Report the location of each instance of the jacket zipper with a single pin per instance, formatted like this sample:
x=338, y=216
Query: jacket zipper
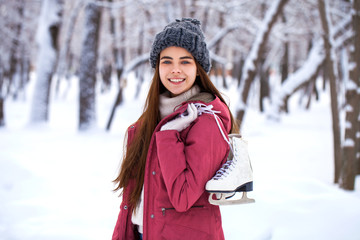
x=165, y=209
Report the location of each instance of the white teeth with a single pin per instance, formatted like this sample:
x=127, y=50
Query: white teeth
x=176, y=80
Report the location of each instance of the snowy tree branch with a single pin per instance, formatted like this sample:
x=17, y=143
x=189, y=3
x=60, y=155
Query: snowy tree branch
x=314, y=61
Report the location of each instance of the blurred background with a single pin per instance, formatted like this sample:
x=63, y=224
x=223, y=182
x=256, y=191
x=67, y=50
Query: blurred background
x=75, y=74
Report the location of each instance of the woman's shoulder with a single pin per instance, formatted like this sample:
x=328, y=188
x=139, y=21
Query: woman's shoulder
x=203, y=97
x=135, y=125
x=211, y=105
x=132, y=127
x=130, y=131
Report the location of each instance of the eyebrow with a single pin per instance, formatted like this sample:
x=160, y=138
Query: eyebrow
x=185, y=57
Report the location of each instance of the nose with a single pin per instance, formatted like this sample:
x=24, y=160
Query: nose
x=176, y=69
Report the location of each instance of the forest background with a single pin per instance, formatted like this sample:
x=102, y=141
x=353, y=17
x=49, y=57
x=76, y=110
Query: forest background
x=263, y=52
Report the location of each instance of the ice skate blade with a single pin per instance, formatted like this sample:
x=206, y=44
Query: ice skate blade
x=247, y=187
x=226, y=201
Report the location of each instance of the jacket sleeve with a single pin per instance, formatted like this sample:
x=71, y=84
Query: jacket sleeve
x=187, y=165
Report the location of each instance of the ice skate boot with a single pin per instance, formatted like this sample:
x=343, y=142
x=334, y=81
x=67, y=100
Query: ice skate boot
x=234, y=176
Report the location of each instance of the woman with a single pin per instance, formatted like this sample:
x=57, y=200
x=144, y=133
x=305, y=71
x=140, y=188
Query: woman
x=172, y=151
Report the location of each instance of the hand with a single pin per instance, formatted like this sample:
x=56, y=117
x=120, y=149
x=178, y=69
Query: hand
x=183, y=121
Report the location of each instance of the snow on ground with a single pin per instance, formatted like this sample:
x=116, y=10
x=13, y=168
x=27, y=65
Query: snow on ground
x=55, y=183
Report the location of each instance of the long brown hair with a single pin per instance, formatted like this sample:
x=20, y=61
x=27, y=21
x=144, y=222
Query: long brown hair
x=133, y=164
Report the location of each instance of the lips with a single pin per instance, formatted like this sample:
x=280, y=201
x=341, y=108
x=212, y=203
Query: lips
x=176, y=80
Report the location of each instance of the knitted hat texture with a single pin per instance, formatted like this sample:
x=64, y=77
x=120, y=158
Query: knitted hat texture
x=185, y=33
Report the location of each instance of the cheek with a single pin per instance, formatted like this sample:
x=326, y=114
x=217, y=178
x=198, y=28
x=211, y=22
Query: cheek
x=193, y=74
x=162, y=74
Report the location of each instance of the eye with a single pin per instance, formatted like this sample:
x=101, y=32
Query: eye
x=186, y=62
x=166, y=62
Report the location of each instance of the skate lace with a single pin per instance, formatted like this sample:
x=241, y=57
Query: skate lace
x=225, y=170
x=228, y=166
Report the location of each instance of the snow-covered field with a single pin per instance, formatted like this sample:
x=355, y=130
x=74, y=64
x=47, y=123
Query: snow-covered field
x=55, y=183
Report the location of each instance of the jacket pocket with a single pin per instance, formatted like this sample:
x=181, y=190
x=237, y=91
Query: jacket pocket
x=178, y=232
x=164, y=210
x=192, y=224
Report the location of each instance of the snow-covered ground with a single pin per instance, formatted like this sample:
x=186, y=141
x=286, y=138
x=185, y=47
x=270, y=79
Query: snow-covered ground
x=55, y=183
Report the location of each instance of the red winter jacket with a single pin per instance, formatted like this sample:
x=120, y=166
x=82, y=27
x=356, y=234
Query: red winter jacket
x=177, y=168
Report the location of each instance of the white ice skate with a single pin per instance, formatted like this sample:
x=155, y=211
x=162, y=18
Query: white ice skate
x=234, y=176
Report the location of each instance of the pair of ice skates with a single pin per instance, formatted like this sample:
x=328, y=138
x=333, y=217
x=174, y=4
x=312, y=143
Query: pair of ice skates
x=234, y=176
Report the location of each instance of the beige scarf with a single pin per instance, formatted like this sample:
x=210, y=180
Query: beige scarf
x=168, y=104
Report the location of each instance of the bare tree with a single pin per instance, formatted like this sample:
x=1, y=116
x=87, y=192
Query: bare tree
x=249, y=70
x=330, y=52
x=14, y=71
x=64, y=55
x=47, y=37
x=297, y=80
x=9, y=71
x=87, y=74
x=356, y=76
x=2, y=118
x=351, y=143
x=128, y=68
x=309, y=70
x=18, y=20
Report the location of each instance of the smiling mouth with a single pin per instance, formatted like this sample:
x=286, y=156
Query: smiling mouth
x=176, y=80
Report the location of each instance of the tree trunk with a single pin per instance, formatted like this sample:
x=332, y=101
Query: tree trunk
x=129, y=67
x=326, y=25
x=88, y=60
x=348, y=170
x=264, y=84
x=220, y=69
x=48, y=32
x=65, y=56
x=109, y=65
x=311, y=85
x=25, y=71
x=141, y=70
x=262, y=72
x=15, y=54
x=254, y=56
x=325, y=74
x=285, y=66
x=356, y=75
x=2, y=117
x=240, y=67
x=309, y=92
x=120, y=60
x=106, y=71
x=351, y=144
x=285, y=57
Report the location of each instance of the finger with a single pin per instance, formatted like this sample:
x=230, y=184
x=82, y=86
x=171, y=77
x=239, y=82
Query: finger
x=190, y=111
x=190, y=108
x=194, y=110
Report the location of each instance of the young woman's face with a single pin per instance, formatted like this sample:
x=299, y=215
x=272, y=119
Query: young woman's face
x=177, y=70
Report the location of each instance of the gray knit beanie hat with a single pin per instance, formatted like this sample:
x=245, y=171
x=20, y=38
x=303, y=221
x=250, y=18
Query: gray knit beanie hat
x=185, y=33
